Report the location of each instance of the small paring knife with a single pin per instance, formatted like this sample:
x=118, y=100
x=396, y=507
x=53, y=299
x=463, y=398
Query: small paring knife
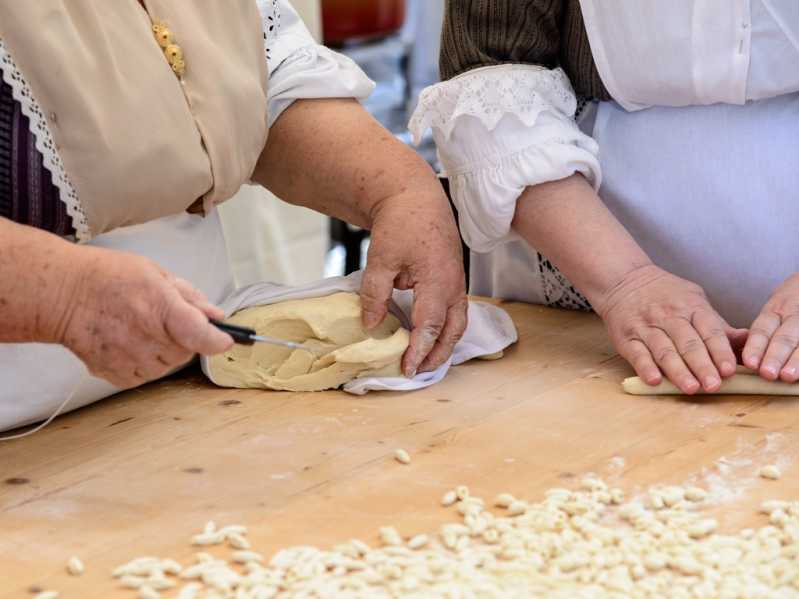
x=247, y=336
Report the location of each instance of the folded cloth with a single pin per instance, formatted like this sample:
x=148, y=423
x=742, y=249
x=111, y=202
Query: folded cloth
x=490, y=329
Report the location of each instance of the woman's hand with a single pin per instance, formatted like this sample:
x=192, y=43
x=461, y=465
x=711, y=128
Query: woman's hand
x=661, y=323
x=130, y=321
x=415, y=245
x=773, y=344
x=658, y=322
x=332, y=156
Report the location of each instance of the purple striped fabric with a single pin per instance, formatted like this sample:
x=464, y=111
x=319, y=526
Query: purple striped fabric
x=27, y=193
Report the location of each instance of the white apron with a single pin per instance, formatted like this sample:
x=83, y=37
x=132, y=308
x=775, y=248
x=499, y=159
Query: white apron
x=37, y=378
x=706, y=177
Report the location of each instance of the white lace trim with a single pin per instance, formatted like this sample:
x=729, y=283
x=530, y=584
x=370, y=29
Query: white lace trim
x=270, y=15
x=489, y=94
x=44, y=143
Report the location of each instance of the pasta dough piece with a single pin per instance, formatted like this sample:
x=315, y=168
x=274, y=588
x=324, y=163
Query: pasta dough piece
x=739, y=384
x=329, y=325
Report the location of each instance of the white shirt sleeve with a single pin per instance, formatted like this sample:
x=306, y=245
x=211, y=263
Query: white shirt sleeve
x=498, y=131
x=299, y=68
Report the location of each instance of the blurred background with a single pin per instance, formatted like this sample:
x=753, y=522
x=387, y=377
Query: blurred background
x=396, y=42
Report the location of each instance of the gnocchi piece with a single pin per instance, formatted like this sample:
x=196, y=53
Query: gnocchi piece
x=771, y=472
x=402, y=456
x=517, y=508
x=504, y=500
x=242, y=557
x=75, y=567
x=238, y=541
x=207, y=539
x=418, y=541
x=695, y=494
x=389, y=536
x=449, y=498
x=148, y=592
x=190, y=591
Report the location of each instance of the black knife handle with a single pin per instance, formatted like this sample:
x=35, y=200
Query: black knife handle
x=241, y=335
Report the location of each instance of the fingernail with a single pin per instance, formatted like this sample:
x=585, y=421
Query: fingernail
x=769, y=370
x=727, y=368
x=751, y=361
x=789, y=371
x=711, y=382
x=691, y=385
x=370, y=320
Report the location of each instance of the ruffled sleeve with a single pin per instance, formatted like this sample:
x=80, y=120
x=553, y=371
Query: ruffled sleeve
x=499, y=130
x=299, y=68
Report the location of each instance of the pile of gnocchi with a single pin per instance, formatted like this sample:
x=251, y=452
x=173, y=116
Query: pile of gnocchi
x=587, y=542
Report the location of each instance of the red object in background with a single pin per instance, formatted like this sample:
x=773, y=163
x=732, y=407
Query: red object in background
x=358, y=20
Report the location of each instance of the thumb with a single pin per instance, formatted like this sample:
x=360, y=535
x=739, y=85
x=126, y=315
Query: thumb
x=188, y=326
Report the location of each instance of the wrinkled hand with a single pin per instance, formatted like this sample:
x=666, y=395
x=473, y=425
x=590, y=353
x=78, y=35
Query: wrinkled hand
x=773, y=344
x=131, y=322
x=415, y=245
x=661, y=323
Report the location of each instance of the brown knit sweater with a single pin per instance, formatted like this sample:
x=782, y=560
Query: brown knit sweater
x=551, y=33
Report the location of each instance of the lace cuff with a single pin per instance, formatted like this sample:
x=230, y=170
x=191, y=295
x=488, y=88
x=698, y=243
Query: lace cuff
x=500, y=130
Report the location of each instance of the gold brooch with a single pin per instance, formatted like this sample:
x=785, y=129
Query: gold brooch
x=172, y=51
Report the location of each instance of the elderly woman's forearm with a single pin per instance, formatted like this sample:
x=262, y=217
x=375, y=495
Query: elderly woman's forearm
x=333, y=157
x=569, y=224
x=36, y=282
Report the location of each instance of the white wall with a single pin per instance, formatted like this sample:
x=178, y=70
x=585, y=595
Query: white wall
x=269, y=240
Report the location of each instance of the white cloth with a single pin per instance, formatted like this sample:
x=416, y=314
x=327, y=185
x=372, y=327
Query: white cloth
x=499, y=130
x=489, y=331
x=694, y=52
x=36, y=377
x=299, y=68
x=715, y=199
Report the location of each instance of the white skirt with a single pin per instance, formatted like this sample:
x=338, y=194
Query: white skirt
x=36, y=378
x=710, y=192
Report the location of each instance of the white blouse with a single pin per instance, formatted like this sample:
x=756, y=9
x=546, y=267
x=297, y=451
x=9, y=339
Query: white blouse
x=299, y=68
x=501, y=129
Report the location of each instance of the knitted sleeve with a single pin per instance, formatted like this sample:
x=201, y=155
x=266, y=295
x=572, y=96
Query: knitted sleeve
x=548, y=33
x=481, y=33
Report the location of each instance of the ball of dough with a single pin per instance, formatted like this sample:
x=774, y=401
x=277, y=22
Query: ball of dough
x=331, y=326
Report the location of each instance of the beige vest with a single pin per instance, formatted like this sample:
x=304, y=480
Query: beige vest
x=137, y=141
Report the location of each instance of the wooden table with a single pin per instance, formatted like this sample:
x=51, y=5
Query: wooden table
x=140, y=473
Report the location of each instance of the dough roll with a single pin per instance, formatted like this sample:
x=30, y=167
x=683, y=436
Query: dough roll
x=739, y=384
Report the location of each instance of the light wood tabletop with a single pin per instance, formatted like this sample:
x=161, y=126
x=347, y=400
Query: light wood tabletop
x=142, y=472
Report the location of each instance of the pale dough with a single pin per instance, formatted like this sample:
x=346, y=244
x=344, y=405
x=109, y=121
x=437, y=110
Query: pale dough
x=744, y=382
x=331, y=325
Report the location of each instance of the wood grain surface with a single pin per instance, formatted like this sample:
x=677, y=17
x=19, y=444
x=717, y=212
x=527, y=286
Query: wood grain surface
x=140, y=473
